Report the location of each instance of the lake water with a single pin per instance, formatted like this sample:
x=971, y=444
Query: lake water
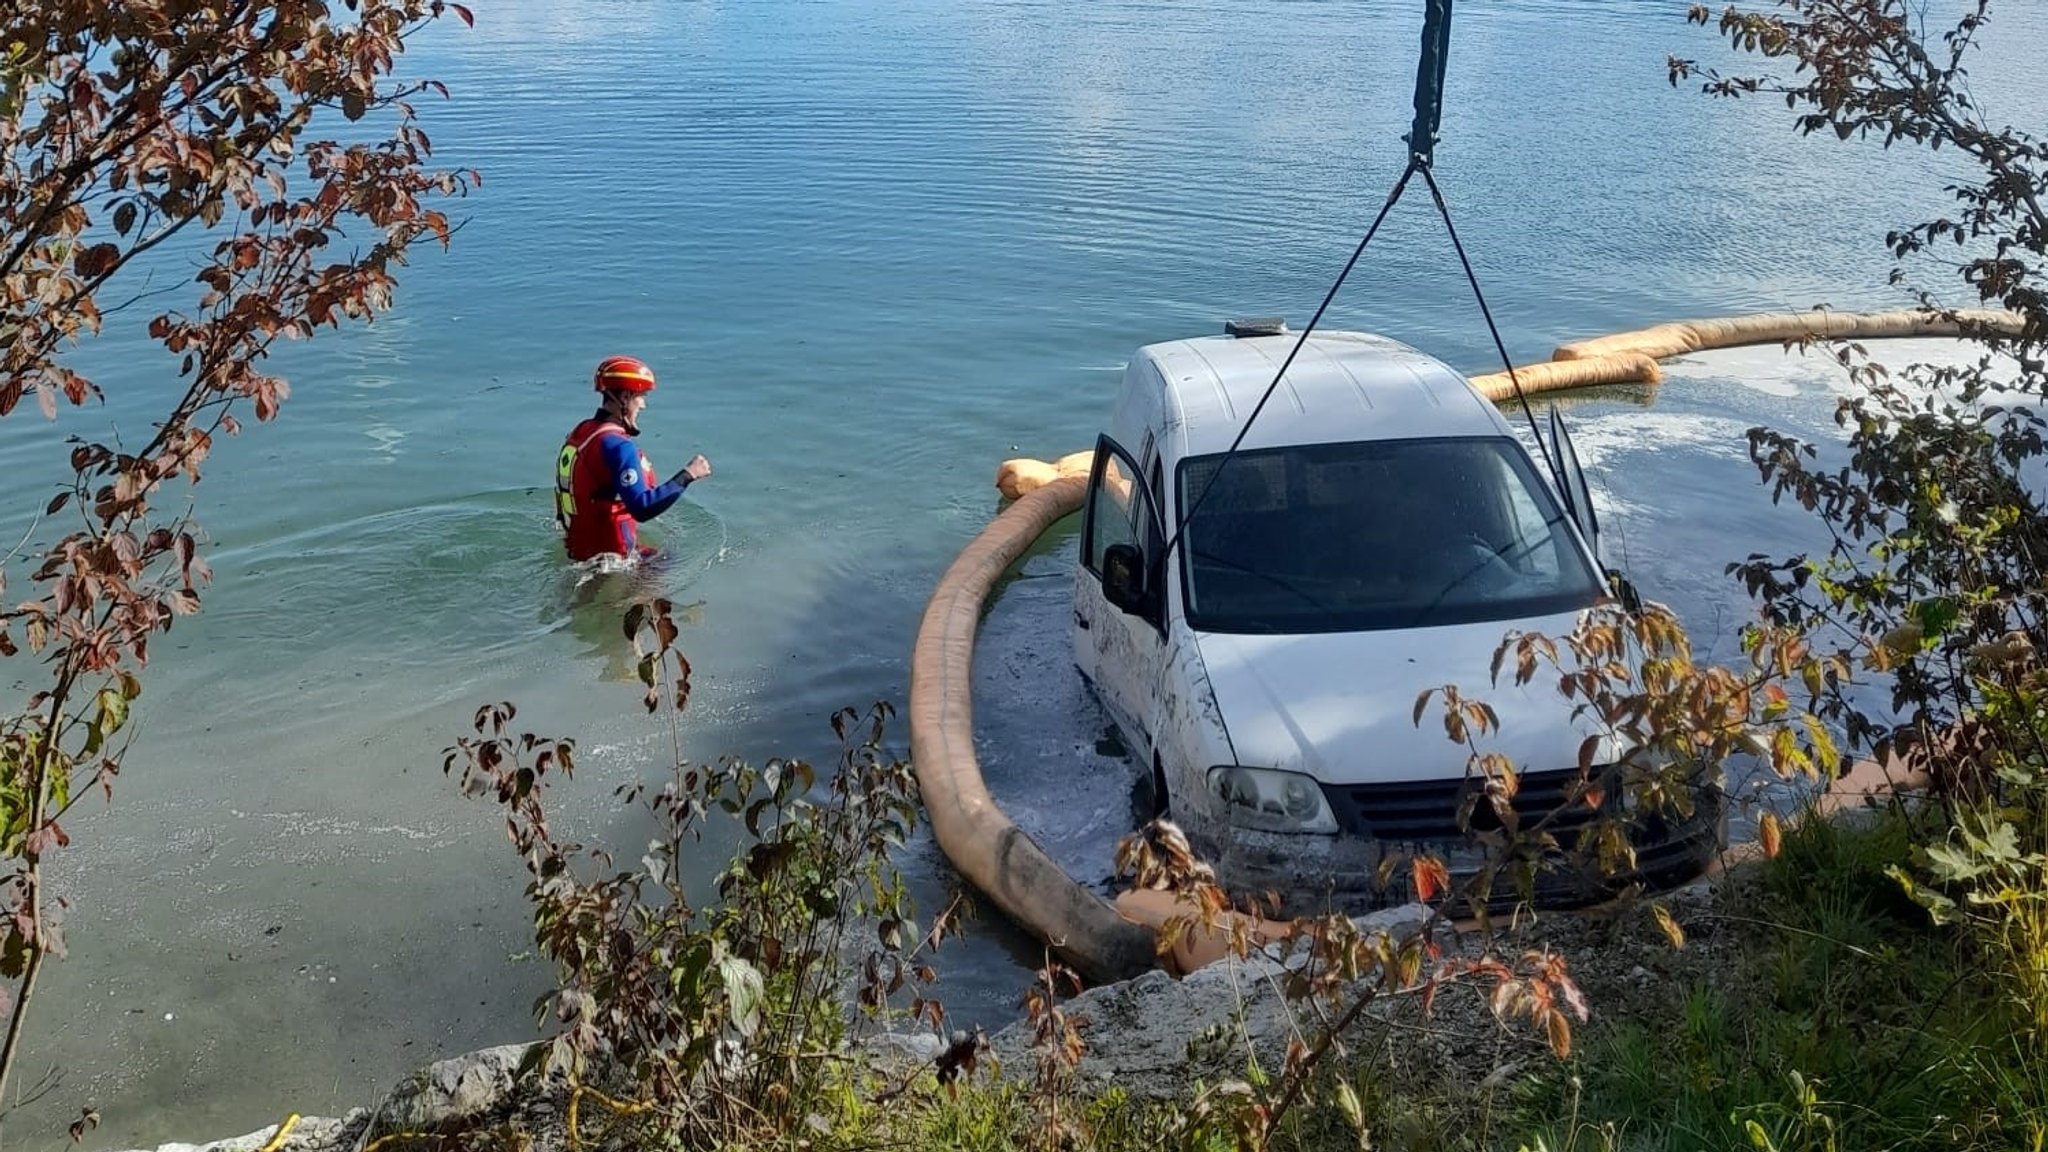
x=872, y=250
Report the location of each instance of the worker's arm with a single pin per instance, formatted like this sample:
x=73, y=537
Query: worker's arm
x=643, y=501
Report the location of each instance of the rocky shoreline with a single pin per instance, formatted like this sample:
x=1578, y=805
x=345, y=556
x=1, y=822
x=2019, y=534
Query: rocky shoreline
x=1153, y=1036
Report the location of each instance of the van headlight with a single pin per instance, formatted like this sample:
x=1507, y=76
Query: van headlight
x=1269, y=800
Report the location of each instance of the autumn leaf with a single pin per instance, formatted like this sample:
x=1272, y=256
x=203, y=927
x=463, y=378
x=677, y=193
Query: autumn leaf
x=1430, y=878
x=1769, y=834
x=1667, y=925
x=1559, y=1033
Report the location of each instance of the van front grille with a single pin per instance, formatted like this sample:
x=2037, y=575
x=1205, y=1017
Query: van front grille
x=1427, y=810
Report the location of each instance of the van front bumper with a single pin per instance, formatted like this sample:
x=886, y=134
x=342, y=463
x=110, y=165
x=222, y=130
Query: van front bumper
x=1367, y=865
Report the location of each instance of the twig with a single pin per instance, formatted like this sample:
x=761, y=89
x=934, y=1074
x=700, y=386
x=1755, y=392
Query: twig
x=1299, y=1081
x=1724, y=917
x=34, y=522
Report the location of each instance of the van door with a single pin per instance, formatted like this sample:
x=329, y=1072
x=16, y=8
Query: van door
x=1119, y=647
x=1578, y=498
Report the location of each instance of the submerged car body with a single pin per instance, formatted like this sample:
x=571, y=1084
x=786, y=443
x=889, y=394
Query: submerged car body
x=1259, y=623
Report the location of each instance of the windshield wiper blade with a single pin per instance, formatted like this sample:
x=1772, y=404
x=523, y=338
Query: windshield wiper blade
x=1282, y=583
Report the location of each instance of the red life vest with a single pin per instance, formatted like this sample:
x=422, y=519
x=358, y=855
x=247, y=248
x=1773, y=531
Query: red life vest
x=587, y=506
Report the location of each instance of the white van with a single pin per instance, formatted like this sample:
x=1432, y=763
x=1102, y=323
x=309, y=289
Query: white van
x=1377, y=533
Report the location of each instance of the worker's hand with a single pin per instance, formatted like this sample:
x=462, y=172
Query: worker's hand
x=697, y=469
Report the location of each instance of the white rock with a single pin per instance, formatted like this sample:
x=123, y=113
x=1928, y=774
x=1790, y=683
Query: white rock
x=896, y=1053
x=1142, y=1034
x=310, y=1134
x=450, y=1092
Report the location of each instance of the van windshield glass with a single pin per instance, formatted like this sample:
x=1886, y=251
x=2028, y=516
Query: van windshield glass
x=1373, y=535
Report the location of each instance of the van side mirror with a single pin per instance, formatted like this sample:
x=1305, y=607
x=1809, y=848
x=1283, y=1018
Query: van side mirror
x=1631, y=600
x=1123, y=580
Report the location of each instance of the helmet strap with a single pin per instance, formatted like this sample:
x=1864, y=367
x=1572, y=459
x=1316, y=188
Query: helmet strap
x=615, y=407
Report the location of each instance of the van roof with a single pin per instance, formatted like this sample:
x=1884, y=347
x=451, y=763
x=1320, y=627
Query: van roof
x=1342, y=386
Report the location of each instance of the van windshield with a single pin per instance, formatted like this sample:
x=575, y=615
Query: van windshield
x=1374, y=535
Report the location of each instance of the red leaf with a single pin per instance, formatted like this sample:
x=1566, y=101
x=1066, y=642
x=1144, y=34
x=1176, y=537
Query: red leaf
x=1430, y=877
x=95, y=260
x=45, y=840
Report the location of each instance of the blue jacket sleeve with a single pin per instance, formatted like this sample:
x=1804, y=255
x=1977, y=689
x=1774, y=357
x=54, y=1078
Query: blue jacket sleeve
x=622, y=464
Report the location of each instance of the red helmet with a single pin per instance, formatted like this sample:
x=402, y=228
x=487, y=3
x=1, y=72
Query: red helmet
x=624, y=374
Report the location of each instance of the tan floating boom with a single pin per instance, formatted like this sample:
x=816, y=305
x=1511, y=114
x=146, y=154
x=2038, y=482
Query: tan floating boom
x=1677, y=339
x=1557, y=375
x=990, y=851
x=1016, y=477
x=1631, y=357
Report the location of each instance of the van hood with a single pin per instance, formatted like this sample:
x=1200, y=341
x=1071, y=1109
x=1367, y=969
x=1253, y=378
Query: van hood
x=1340, y=706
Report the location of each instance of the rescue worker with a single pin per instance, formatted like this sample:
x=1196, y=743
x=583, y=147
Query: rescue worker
x=604, y=486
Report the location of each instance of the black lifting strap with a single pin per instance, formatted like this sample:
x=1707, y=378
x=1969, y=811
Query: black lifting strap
x=1421, y=138
x=1421, y=141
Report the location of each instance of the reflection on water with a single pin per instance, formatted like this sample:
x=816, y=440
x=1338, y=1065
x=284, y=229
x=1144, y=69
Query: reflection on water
x=872, y=250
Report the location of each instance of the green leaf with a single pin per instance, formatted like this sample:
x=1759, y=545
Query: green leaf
x=113, y=712
x=2000, y=847
x=1824, y=750
x=1347, y=1102
x=1940, y=908
x=1951, y=864
x=743, y=993
x=1936, y=614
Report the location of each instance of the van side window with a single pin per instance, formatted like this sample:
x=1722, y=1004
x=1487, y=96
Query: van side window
x=1121, y=510
x=1112, y=506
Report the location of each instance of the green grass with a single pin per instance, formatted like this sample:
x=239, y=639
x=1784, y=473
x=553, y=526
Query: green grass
x=1850, y=1022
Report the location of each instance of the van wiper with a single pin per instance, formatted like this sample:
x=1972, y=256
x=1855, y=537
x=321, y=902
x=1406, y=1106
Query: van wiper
x=1282, y=583
x=1493, y=556
x=1430, y=608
